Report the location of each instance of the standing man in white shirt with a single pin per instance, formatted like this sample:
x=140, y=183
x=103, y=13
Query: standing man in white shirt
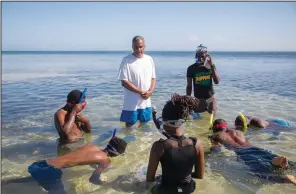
x=137, y=76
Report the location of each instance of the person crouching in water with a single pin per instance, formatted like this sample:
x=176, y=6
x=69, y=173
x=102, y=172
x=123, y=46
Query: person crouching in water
x=48, y=173
x=177, y=154
x=69, y=121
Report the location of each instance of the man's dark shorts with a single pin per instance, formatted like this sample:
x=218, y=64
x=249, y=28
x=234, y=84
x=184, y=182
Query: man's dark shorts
x=207, y=104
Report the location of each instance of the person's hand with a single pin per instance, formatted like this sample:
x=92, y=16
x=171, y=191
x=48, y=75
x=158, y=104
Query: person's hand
x=209, y=57
x=80, y=117
x=211, y=63
x=146, y=95
x=95, y=178
x=77, y=108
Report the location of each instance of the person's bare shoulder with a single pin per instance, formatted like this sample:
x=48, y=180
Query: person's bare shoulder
x=158, y=146
x=60, y=112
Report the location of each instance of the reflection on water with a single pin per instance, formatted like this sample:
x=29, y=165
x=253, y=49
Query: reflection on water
x=248, y=85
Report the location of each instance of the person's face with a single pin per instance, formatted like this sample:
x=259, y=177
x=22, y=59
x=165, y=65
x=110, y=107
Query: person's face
x=138, y=48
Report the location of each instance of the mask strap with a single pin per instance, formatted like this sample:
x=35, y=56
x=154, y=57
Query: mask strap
x=158, y=124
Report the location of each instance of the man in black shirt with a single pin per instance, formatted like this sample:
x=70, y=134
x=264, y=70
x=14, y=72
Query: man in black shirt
x=201, y=74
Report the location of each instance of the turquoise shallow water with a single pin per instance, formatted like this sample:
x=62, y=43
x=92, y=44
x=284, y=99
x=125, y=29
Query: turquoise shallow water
x=35, y=85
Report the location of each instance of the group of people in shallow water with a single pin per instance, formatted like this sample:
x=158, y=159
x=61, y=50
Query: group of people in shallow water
x=182, y=158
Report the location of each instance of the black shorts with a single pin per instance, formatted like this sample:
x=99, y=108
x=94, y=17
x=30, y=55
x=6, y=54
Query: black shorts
x=207, y=104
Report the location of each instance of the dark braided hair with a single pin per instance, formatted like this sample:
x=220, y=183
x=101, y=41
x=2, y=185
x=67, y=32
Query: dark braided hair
x=179, y=107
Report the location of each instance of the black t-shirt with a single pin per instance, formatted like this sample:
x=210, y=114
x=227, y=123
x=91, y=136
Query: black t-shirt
x=202, y=80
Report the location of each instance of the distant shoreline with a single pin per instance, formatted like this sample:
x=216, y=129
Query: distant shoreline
x=125, y=51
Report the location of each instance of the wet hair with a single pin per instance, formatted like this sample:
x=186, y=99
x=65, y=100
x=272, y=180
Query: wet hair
x=119, y=145
x=217, y=122
x=74, y=96
x=239, y=121
x=179, y=107
x=136, y=38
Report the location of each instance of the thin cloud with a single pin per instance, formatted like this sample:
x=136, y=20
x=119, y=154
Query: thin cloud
x=219, y=39
x=194, y=38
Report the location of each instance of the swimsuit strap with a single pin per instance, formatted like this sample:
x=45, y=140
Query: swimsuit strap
x=178, y=139
x=194, y=140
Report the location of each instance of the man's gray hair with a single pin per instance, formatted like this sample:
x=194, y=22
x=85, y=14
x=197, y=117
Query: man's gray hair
x=136, y=38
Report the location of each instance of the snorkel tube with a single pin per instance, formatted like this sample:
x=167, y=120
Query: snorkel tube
x=244, y=122
x=158, y=124
x=211, y=122
x=82, y=96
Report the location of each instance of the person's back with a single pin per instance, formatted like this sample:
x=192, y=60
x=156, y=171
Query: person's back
x=227, y=136
x=177, y=161
x=177, y=154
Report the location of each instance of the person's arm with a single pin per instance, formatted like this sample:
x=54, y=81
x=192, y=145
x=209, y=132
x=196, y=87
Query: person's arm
x=85, y=124
x=147, y=94
x=151, y=89
x=95, y=177
x=215, y=74
x=66, y=127
x=153, y=161
x=216, y=146
x=199, y=166
x=189, y=86
x=130, y=86
x=189, y=82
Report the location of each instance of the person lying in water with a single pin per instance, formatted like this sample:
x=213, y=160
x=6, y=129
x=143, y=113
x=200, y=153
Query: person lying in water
x=256, y=122
x=69, y=121
x=48, y=173
x=261, y=162
x=177, y=154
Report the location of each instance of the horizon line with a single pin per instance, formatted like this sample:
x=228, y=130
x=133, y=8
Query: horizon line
x=146, y=51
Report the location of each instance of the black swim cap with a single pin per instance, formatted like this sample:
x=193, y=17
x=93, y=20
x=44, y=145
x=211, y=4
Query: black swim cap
x=74, y=96
x=119, y=144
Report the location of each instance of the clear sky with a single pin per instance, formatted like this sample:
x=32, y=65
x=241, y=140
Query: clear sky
x=222, y=26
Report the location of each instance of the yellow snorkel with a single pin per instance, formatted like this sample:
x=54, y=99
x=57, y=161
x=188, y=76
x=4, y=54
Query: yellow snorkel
x=244, y=122
x=211, y=122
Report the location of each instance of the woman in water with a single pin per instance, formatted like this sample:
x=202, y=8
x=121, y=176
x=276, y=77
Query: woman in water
x=177, y=154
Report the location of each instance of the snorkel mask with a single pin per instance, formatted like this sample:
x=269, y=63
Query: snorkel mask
x=171, y=123
x=201, y=53
x=110, y=148
x=81, y=101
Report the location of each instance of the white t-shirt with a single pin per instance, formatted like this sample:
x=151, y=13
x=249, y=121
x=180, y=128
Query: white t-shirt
x=138, y=71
